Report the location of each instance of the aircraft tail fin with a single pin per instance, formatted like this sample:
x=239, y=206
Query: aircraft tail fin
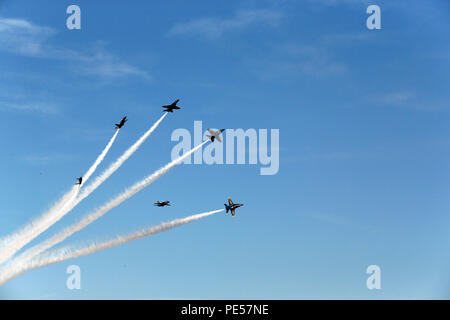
x=227, y=208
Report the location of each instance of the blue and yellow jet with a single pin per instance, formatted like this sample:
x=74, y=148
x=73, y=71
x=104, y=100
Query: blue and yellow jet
x=232, y=206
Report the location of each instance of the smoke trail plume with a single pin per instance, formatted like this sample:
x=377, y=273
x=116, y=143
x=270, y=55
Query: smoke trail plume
x=61, y=208
x=116, y=165
x=71, y=252
x=129, y=192
x=20, y=238
x=100, y=158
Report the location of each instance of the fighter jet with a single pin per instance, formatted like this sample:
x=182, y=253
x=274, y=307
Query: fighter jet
x=80, y=181
x=232, y=206
x=162, y=204
x=171, y=107
x=122, y=122
x=215, y=134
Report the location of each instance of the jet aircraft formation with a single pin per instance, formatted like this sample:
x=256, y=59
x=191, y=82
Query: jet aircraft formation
x=213, y=135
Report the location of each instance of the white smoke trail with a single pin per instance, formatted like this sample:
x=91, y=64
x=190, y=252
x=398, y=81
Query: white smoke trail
x=71, y=252
x=19, y=239
x=88, y=219
x=100, y=158
x=116, y=165
x=62, y=209
x=86, y=191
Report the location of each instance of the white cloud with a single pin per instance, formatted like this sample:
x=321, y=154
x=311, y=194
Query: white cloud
x=24, y=38
x=43, y=108
x=215, y=27
x=399, y=97
x=408, y=100
x=293, y=59
x=44, y=159
x=340, y=2
x=105, y=65
x=319, y=58
x=346, y=37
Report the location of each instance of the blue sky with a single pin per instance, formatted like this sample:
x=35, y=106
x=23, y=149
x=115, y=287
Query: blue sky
x=364, y=144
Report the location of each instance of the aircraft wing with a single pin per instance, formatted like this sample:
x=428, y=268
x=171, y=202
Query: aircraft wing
x=211, y=131
x=230, y=202
x=232, y=212
x=218, y=138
